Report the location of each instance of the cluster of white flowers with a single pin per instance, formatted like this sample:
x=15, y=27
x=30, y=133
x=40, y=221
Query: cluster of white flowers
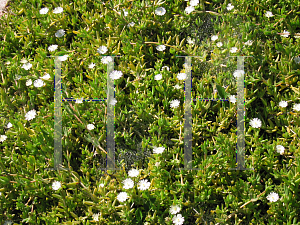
x=56, y=10
x=284, y=104
x=129, y=183
x=177, y=219
x=38, y=82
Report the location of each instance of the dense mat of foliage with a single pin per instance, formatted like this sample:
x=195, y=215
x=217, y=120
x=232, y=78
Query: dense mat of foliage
x=149, y=125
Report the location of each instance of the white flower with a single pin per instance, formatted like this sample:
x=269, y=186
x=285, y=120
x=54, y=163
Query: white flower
x=233, y=50
x=189, y=9
x=160, y=11
x=283, y=104
x=92, y=65
x=101, y=185
x=78, y=100
x=7, y=63
x=269, y=14
x=296, y=107
x=9, y=125
x=30, y=115
x=178, y=219
x=297, y=59
x=27, y=66
x=174, y=209
x=122, y=196
x=181, y=76
x=133, y=173
x=165, y=67
x=96, y=217
x=29, y=82
x=232, y=98
x=177, y=86
x=38, y=83
x=160, y=48
x=194, y=2
x=3, y=138
x=158, y=150
x=8, y=222
x=249, y=42
x=60, y=33
x=106, y=59
x=255, y=123
x=44, y=10
x=190, y=41
x=46, y=76
x=18, y=77
x=280, y=149
x=158, y=77
x=143, y=184
x=63, y=58
x=175, y=103
x=285, y=35
x=23, y=61
x=214, y=37
x=125, y=12
x=131, y=24
x=90, y=126
x=128, y=183
x=115, y=74
x=230, y=7
x=102, y=49
x=52, y=48
x=273, y=197
x=238, y=73
x=113, y=102
x=219, y=44
x=56, y=185
x=58, y=10
x=157, y=164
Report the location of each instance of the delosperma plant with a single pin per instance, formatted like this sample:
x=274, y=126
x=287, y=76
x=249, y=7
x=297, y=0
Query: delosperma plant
x=147, y=41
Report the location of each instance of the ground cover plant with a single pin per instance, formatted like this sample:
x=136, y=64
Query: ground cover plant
x=149, y=109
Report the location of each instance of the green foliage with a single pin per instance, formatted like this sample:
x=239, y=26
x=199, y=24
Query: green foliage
x=143, y=116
